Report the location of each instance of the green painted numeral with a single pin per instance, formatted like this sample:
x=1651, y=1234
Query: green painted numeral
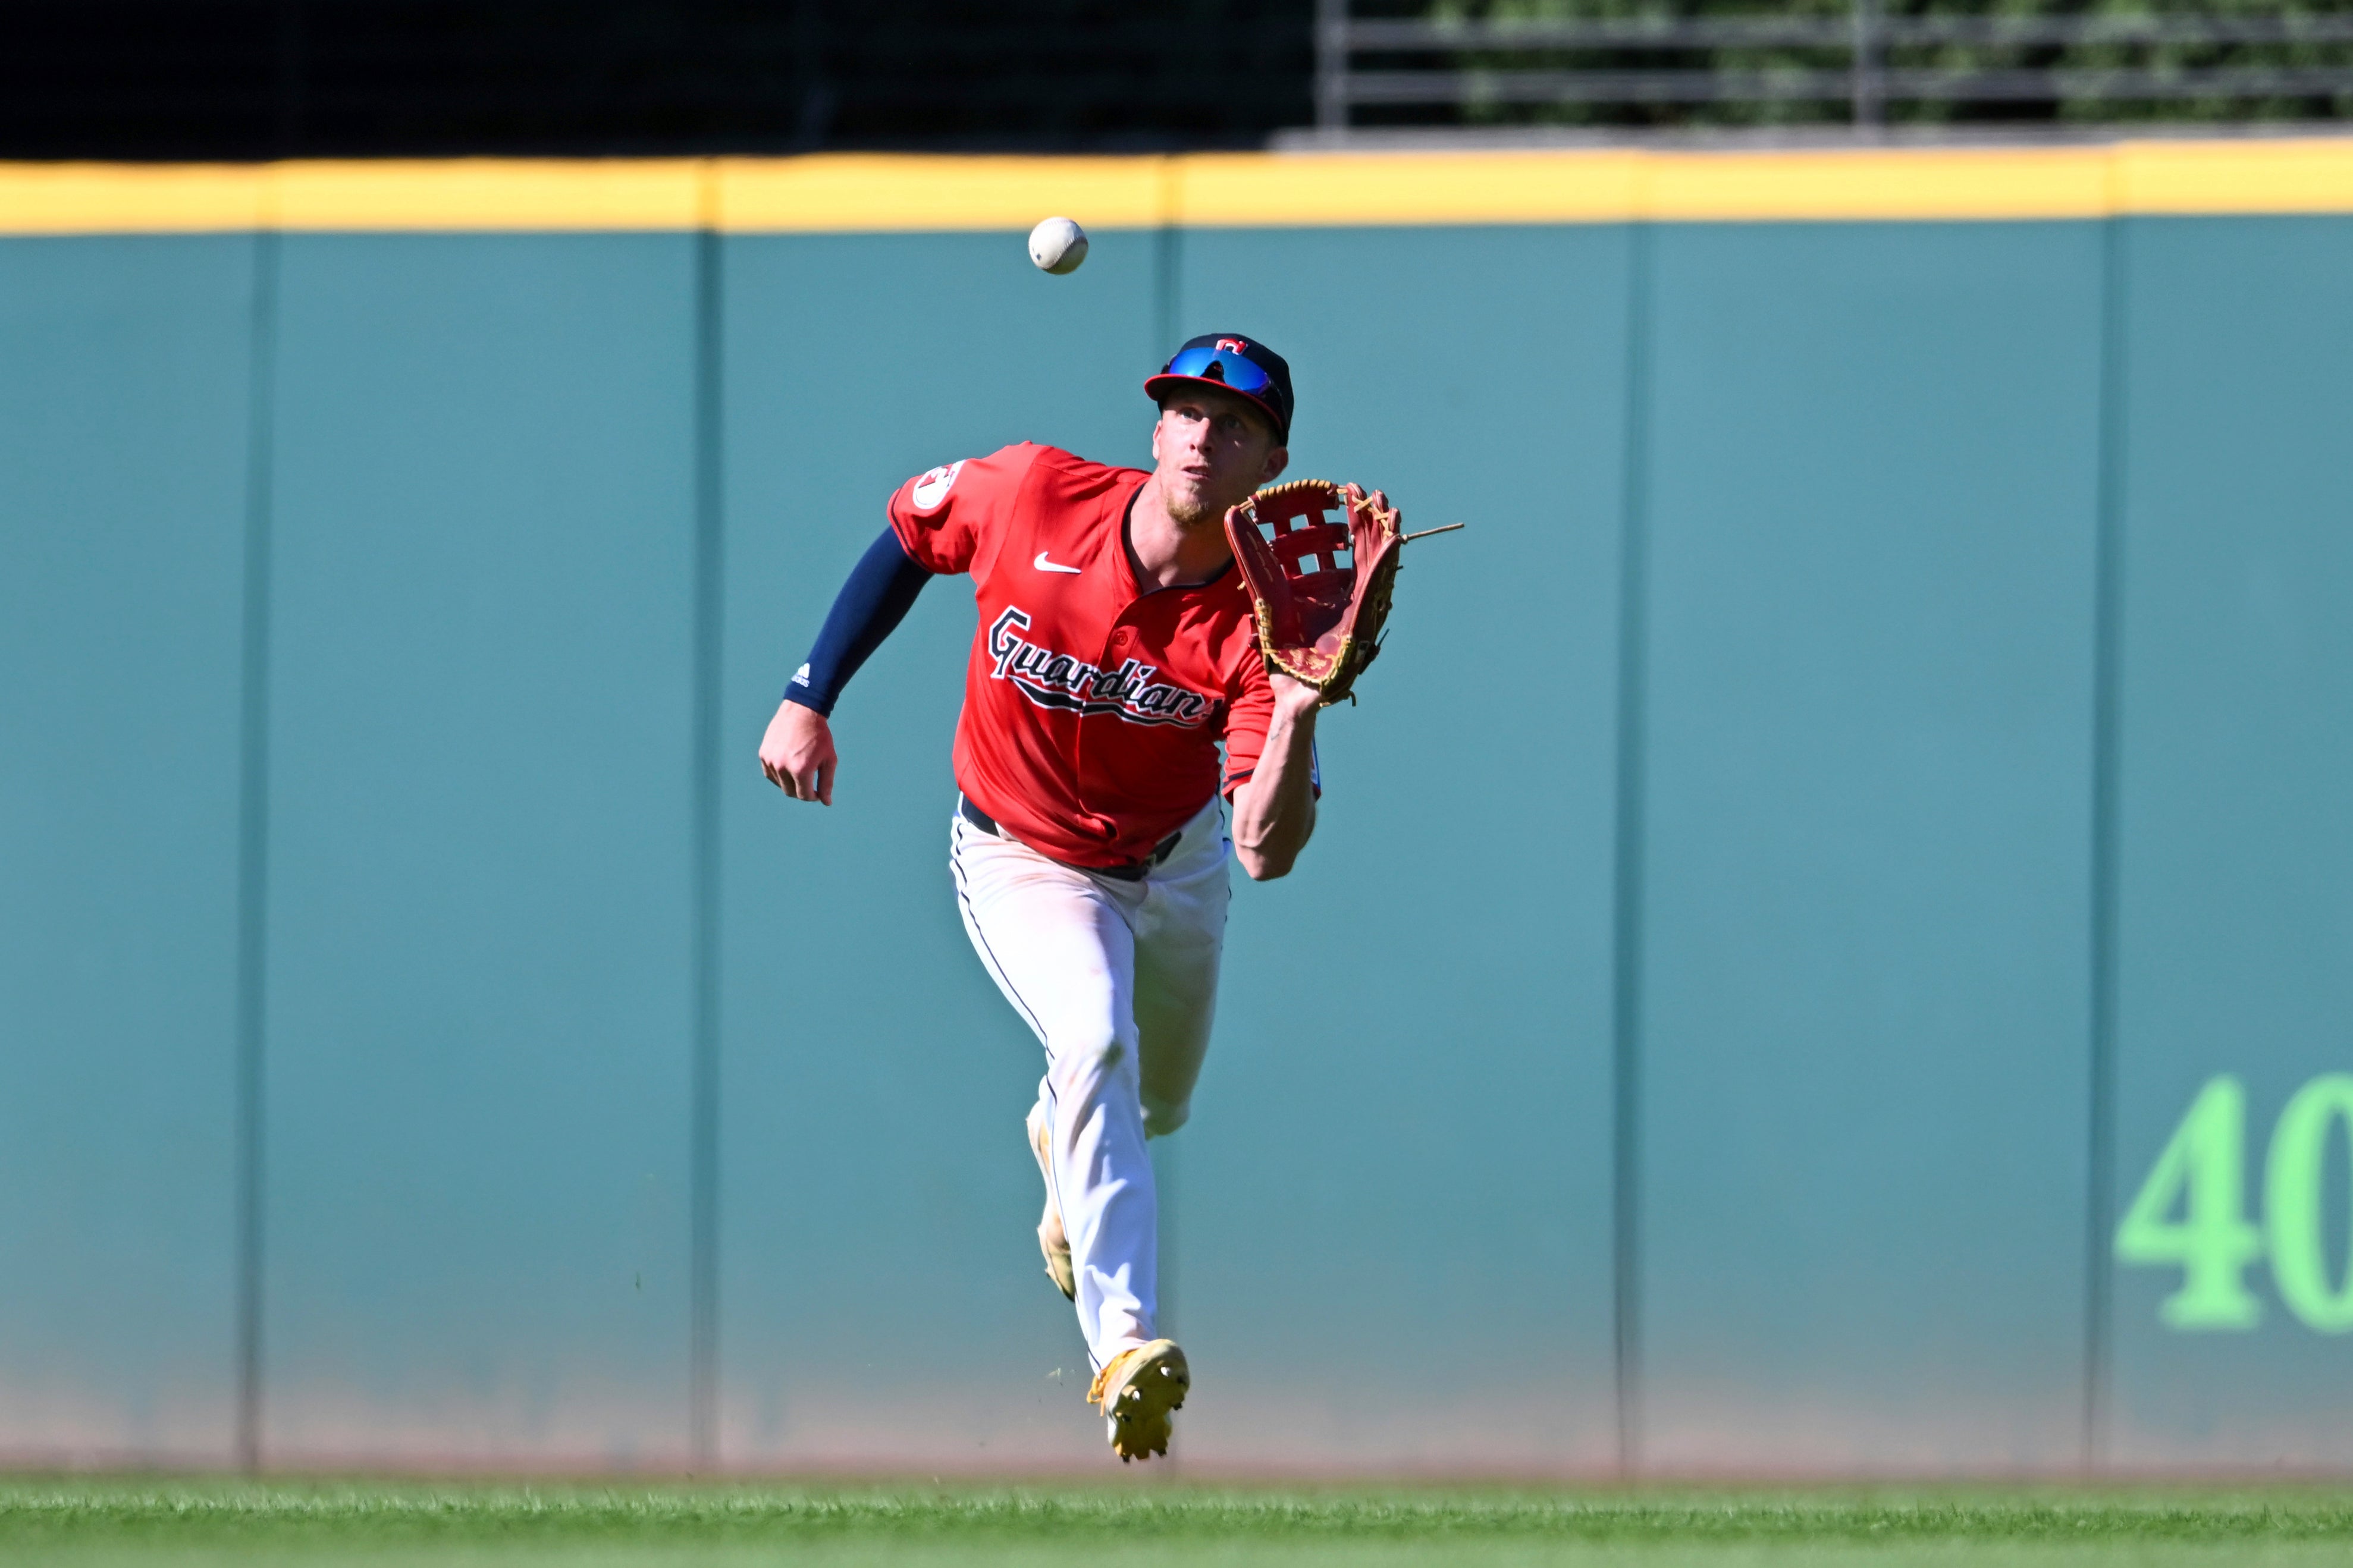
x=2202, y=1169
x=2292, y=1204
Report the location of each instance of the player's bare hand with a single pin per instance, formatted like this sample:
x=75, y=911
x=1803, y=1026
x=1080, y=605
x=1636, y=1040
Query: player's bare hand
x=797, y=754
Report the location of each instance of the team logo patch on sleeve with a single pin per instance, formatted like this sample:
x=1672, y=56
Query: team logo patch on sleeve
x=932, y=485
x=1053, y=680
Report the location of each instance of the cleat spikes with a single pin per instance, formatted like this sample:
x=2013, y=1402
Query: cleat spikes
x=1138, y=1390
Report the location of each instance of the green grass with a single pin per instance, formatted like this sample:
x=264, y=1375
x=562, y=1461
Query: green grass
x=279, y=1524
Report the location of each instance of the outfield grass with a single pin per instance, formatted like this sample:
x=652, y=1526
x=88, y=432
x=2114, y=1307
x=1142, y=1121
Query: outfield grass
x=155, y=1523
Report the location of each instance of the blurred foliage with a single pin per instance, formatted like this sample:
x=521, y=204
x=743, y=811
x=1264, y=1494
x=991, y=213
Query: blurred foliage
x=2170, y=59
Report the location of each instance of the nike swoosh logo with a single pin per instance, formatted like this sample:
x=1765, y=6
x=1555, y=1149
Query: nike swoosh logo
x=1045, y=566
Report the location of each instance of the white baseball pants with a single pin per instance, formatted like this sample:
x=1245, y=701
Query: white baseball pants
x=1120, y=981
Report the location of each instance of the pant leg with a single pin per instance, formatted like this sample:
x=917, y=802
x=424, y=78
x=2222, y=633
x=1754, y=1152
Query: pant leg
x=1180, y=934
x=1058, y=943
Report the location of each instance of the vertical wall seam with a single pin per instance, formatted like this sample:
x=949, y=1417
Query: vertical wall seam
x=1626, y=983
x=1168, y=1162
x=2107, y=623
x=1167, y=262
x=1168, y=195
x=253, y=842
x=703, y=1359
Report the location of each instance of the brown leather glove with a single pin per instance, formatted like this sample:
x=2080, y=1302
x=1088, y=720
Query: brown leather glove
x=1319, y=560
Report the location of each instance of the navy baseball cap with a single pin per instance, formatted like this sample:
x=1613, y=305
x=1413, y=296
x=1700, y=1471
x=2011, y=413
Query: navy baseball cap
x=1231, y=362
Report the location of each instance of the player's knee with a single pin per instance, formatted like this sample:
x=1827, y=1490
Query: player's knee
x=1083, y=1063
x=1112, y=1059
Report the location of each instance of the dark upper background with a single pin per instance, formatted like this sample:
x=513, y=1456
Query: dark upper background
x=266, y=79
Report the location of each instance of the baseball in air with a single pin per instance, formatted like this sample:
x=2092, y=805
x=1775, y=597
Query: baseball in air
x=1058, y=245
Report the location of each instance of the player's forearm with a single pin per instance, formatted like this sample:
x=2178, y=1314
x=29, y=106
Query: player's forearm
x=1274, y=810
x=881, y=590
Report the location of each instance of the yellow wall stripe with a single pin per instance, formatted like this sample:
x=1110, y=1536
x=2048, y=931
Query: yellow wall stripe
x=1926, y=184
x=2314, y=176
x=111, y=198
x=1284, y=190
x=843, y=192
x=478, y=193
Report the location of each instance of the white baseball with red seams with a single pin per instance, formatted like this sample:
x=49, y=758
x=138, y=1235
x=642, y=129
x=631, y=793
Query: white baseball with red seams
x=1058, y=245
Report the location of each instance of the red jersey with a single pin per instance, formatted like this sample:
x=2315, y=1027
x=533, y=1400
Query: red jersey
x=1093, y=709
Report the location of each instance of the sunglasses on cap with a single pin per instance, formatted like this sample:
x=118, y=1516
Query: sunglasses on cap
x=1211, y=363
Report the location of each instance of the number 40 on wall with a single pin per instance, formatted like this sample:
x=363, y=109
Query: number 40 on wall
x=2202, y=1173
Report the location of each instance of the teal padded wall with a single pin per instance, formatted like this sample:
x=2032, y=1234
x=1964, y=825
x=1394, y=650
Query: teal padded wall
x=480, y=898
x=1720, y=1023
x=1872, y=465
x=124, y=392
x=1399, y=1157
x=881, y=1298
x=2235, y=862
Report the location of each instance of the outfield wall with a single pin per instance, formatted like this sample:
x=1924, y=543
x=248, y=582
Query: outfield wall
x=1856, y=827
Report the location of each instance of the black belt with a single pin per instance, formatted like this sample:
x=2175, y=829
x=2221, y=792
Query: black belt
x=1131, y=872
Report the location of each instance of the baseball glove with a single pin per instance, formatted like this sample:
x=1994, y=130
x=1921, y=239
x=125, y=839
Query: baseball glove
x=1321, y=582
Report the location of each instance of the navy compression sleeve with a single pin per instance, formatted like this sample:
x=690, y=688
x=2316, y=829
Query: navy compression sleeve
x=882, y=589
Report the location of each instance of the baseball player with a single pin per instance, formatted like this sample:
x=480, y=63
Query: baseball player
x=1115, y=655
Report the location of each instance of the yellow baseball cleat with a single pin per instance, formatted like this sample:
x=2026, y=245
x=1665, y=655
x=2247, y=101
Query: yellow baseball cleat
x=1052, y=1241
x=1139, y=1390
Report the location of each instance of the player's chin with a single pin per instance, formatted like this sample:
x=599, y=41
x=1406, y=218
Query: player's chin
x=1194, y=505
